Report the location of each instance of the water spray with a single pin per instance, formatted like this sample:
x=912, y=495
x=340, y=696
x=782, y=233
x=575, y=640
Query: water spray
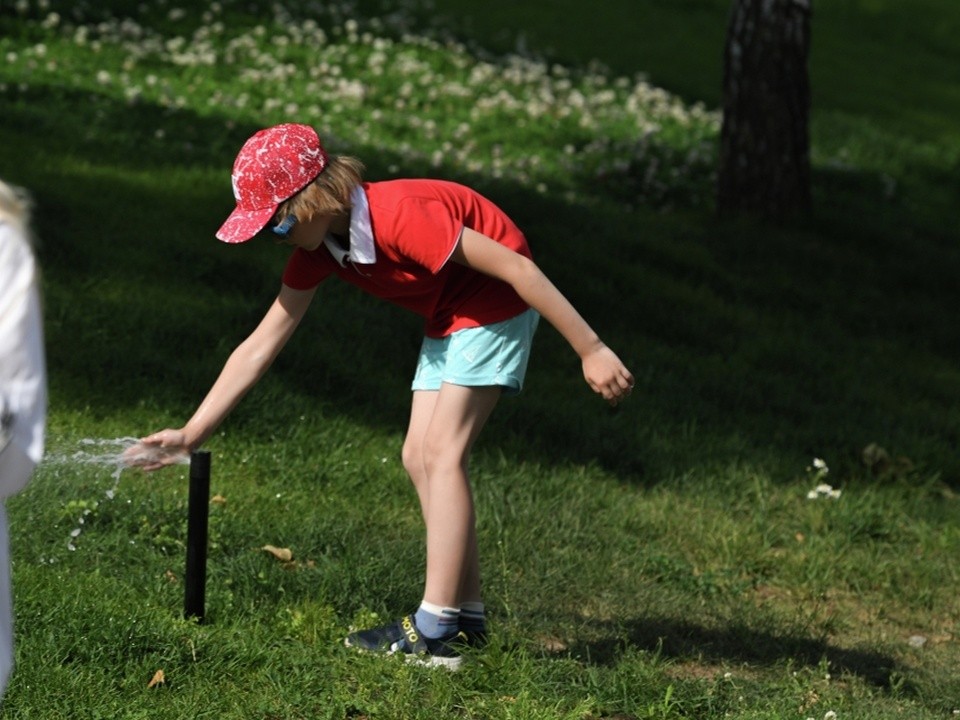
x=126, y=452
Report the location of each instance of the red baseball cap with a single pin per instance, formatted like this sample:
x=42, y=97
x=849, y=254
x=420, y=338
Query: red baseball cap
x=272, y=166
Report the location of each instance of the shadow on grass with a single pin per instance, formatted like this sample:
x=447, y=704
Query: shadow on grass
x=748, y=344
x=681, y=640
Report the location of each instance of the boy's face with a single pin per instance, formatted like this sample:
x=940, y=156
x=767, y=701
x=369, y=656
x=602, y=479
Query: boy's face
x=308, y=235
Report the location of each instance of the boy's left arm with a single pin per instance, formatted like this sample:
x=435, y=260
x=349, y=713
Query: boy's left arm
x=602, y=369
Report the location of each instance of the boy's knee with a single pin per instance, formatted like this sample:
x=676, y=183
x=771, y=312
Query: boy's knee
x=411, y=455
x=439, y=457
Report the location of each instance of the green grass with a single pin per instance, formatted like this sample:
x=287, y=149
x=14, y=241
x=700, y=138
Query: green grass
x=661, y=561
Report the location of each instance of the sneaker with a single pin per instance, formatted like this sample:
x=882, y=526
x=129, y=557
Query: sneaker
x=476, y=639
x=405, y=638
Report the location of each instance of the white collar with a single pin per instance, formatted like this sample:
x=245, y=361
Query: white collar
x=362, y=249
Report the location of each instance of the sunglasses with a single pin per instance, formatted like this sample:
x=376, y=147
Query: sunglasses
x=283, y=227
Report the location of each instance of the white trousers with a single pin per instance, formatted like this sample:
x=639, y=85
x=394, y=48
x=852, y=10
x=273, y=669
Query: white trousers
x=6, y=605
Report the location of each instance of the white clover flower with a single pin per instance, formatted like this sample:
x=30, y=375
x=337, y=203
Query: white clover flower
x=824, y=490
x=830, y=715
x=519, y=89
x=820, y=464
x=174, y=45
x=103, y=77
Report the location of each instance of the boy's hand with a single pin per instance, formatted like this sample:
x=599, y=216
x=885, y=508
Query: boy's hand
x=167, y=447
x=607, y=375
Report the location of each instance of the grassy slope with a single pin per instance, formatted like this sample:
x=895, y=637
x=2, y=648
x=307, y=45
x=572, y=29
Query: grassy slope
x=883, y=60
x=884, y=95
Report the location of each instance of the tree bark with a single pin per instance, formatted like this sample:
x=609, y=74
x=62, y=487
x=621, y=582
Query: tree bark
x=764, y=139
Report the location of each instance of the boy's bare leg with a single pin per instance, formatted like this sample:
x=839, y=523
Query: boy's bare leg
x=443, y=427
x=421, y=410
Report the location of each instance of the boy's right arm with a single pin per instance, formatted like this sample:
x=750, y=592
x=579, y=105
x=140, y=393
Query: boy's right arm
x=245, y=366
x=602, y=369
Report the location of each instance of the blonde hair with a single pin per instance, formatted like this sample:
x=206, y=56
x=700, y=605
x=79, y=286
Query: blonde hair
x=328, y=194
x=15, y=207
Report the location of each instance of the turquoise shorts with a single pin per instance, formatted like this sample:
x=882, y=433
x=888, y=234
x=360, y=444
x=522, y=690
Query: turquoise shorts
x=494, y=354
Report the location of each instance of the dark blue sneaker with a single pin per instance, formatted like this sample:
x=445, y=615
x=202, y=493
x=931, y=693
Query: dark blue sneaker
x=403, y=637
x=475, y=639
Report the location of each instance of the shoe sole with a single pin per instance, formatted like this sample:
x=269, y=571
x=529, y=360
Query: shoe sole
x=447, y=663
x=451, y=664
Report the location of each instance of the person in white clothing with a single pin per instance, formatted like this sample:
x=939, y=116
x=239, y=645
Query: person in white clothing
x=23, y=385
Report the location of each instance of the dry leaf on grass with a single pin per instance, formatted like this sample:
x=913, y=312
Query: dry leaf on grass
x=158, y=679
x=218, y=500
x=552, y=644
x=281, y=554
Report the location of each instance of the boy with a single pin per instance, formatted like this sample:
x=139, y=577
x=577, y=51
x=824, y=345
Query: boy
x=447, y=253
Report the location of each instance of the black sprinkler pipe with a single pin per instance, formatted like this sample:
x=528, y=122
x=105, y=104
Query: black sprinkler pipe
x=198, y=508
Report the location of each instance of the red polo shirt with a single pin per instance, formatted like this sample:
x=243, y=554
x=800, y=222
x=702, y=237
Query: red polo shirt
x=416, y=227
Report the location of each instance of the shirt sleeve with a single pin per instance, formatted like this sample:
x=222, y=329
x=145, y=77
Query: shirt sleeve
x=305, y=270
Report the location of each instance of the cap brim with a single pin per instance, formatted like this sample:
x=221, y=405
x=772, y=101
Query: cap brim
x=244, y=224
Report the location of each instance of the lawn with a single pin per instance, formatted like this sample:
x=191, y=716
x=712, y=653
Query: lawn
x=670, y=559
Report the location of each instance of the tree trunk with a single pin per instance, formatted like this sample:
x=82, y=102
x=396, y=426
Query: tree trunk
x=764, y=140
